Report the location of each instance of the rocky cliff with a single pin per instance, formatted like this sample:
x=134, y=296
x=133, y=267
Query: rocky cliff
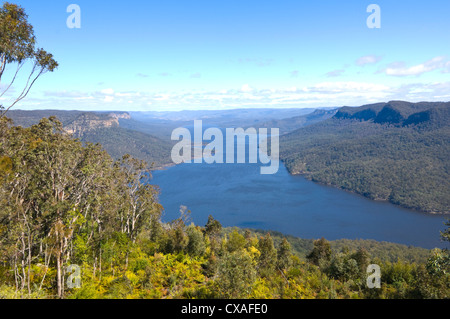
x=87, y=122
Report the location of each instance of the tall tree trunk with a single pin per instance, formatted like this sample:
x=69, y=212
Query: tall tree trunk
x=95, y=267
x=29, y=268
x=100, y=264
x=58, y=274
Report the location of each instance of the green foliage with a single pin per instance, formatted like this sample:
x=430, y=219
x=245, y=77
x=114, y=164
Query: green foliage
x=67, y=200
x=431, y=283
x=212, y=230
x=118, y=141
x=212, y=227
x=343, y=267
x=362, y=258
x=445, y=235
x=405, y=163
x=17, y=46
x=65, y=203
x=235, y=242
x=268, y=256
x=321, y=252
x=115, y=139
x=384, y=251
x=236, y=275
x=284, y=259
x=196, y=245
x=438, y=264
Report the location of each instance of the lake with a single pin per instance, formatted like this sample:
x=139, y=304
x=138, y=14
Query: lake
x=238, y=195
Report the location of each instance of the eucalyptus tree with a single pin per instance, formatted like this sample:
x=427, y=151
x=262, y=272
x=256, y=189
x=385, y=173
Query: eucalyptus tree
x=17, y=48
x=140, y=207
x=268, y=259
x=52, y=189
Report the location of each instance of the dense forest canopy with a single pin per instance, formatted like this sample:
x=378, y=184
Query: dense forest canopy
x=68, y=204
x=396, y=151
x=107, y=129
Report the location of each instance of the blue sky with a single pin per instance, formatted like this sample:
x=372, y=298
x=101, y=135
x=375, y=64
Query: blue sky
x=174, y=55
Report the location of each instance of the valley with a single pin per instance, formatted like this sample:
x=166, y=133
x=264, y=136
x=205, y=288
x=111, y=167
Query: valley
x=396, y=152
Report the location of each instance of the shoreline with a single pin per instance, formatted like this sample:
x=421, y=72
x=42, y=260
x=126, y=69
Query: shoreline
x=442, y=214
x=163, y=167
x=362, y=195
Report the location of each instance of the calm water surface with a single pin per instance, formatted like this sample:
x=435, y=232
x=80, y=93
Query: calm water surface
x=237, y=195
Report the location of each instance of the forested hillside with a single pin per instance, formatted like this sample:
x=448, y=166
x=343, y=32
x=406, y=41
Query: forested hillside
x=384, y=251
x=68, y=204
x=118, y=141
x=105, y=128
x=293, y=123
x=396, y=151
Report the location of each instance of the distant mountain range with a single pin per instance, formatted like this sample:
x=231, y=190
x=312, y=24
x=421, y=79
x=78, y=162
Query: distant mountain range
x=396, y=151
x=165, y=122
x=104, y=128
x=221, y=117
x=399, y=113
x=146, y=135
x=287, y=125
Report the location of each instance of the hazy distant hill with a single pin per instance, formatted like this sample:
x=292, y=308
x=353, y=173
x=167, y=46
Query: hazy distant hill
x=220, y=118
x=293, y=123
x=155, y=127
x=28, y=118
x=104, y=128
x=146, y=135
x=75, y=121
x=161, y=124
x=396, y=151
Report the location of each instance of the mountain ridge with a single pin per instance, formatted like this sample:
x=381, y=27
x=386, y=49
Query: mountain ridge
x=104, y=128
x=396, y=112
x=383, y=157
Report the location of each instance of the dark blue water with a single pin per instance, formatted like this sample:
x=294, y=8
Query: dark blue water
x=237, y=195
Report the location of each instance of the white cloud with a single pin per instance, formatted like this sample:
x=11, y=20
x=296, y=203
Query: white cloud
x=327, y=93
x=368, y=59
x=107, y=91
x=342, y=87
x=246, y=88
x=161, y=97
x=335, y=73
x=65, y=94
x=446, y=67
x=292, y=89
x=122, y=94
x=400, y=69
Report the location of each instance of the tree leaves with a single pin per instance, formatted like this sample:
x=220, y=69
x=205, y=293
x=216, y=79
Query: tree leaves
x=17, y=46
